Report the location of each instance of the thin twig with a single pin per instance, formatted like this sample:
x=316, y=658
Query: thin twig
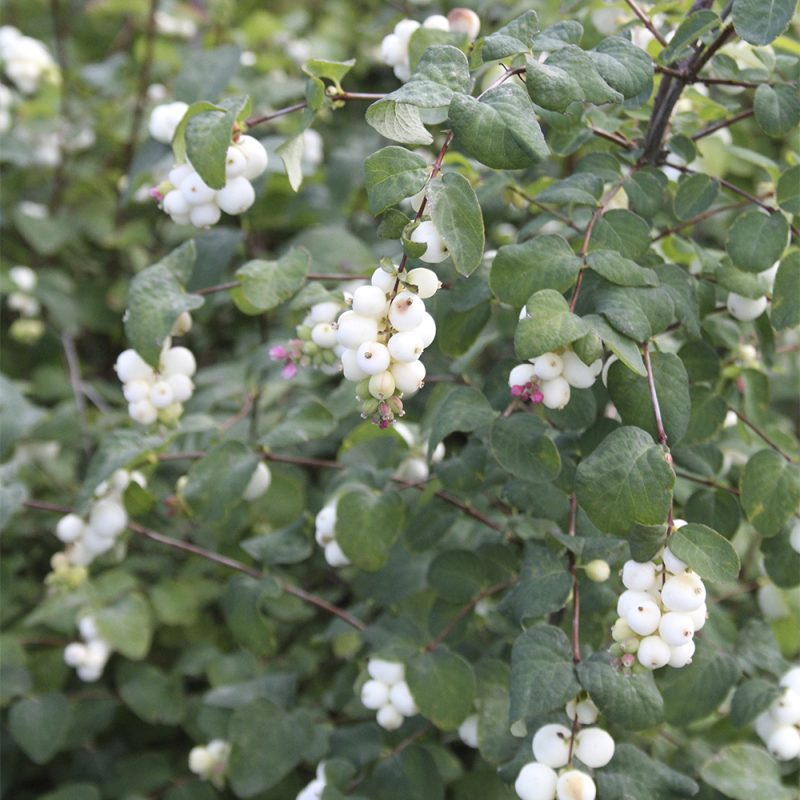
x=753, y=427
x=74, y=369
x=651, y=383
x=576, y=597
x=723, y=123
x=612, y=137
x=646, y=21
x=534, y=202
x=465, y=609
x=705, y=482
x=217, y=287
x=699, y=218
x=218, y=558
x=281, y=112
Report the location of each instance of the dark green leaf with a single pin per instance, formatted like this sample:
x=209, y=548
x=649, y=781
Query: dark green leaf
x=207, y=73
x=750, y=699
x=695, y=194
x=786, y=293
x=516, y=37
x=127, y=625
x=621, y=271
x=456, y=575
x=151, y=694
x=548, y=326
x=777, y=109
x=745, y=771
x=691, y=29
x=266, y=284
x=583, y=69
x=367, y=525
x=770, y=491
x=442, y=684
x=623, y=66
x=788, y=190
x=551, y=87
x=522, y=447
x=461, y=409
x=39, y=725
x=761, y=21
x=625, y=349
x=393, y=174
x=622, y=231
x=757, y=240
x=710, y=555
x=634, y=774
x=542, y=587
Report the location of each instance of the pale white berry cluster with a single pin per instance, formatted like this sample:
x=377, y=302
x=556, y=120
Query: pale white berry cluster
x=314, y=790
x=383, y=336
x=210, y=761
x=553, y=749
x=395, y=46
x=90, y=656
x=28, y=328
x=387, y=693
x=325, y=534
x=187, y=198
x=550, y=377
x=746, y=309
x=157, y=395
x=90, y=536
x=164, y=120
x=779, y=726
x=25, y=60
x=662, y=609
x=415, y=466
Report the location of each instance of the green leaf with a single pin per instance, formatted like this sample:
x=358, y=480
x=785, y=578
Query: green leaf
x=634, y=774
x=710, y=555
x=777, y=109
x=265, y=285
x=621, y=271
x=461, y=409
x=761, y=21
x=413, y=772
x=639, y=313
x=716, y=508
x=330, y=70
x=39, y=725
x=625, y=349
x=304, y=423
x=770, y=491
x=516, y=37
x=266, y=745
x=520, y=270
x=243, y=607
x=788, y=190
x=457, y=215
x=127, y=625
x=786, y=293
x=151, y=694
x=542, y=587
x=442, y=684
x=708, y=414
x=623, y=231
x=695, y=194
x=781, y=559
x=548, y=325
x=623, y=66
x=567, y=31
x=631, y=395
x=747, y=284
x=745, y=771
x=399, y=122
x=207, y=73
x=367, y=525
x=156, y=299
x=542, y=672
x=551, y=87
x=392, y=174
x=693, y=28
x=291, y=153
x=208, y=137
x=500, y=130
x=456, y=575
x=631, y=701
x=696, y=690
x=645, y=191
x=581, y=67
x=217, y=481
x=521, y=446
x=757, y=240
x=288, y=545
x=583, y=188
x=626, y=481
x=750, y=699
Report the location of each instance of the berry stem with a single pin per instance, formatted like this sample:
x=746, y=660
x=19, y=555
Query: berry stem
x=725, y=123
x=651, y=383
x=576, y=596
x=767, y=440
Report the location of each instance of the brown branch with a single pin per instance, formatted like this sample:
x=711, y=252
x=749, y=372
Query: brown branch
x=217, y=287
x=465, y=609
x=705, y=482
x=662, y=435
x=699, y=218
x=576, y=597
x=281, y=112
x=753, y=427
x=612, y=137
x=533, y=201
x=218, y=558
x=646, y=21
x=724, y=123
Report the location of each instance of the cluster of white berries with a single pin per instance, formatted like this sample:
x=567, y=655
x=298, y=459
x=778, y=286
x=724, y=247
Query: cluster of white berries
x=415, y=466
x=210, y=761
x=383, y=336
x=28, y=328
x=550, y=377
x=325, y=534
x=395, y=46
x=187, y=198
x=553, y=749
x=87, y=538
x=152, y=394
x=746, y=309
x=779, y=726
x=88, y=657
x=25, y=61
x=662, y=609
x=387, y=693
x=164, y=120
x=314, y=790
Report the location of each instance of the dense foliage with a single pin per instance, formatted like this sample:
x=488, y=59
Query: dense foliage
x=400, y=401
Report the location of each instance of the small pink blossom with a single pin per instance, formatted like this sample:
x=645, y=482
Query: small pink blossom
x=278, y=353
x=289, y=370
x=517, y=390
x=536, y=397
x=155, y=193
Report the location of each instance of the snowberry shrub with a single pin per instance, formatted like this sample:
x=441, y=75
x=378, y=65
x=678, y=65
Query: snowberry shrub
x=404, y=406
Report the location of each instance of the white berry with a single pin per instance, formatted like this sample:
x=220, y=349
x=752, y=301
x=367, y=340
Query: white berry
x=259, y=482
x=388, y=672
x=130, y=366
x=555, y=393
x=683, y=592
x=405, y=346
x=369, y=301
x=374, y=694
x=468, y=731
x=353, y=329
x=595, y=747
x=426, y=281
x=644, y=618
x=575, y=785
x=335, y=556
x=536, y=782
x=427, y=233
x=551, y=745
x=639, y=576
x=406, y=311
x=408, y=377
x=389, y=718
x=548, y=366
x=653, y=652
x=400, y=697
x=236, y=196
x=255, y=154
x=676, y=628
x=784, y=742
x=744, y=309
x=70, y=528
